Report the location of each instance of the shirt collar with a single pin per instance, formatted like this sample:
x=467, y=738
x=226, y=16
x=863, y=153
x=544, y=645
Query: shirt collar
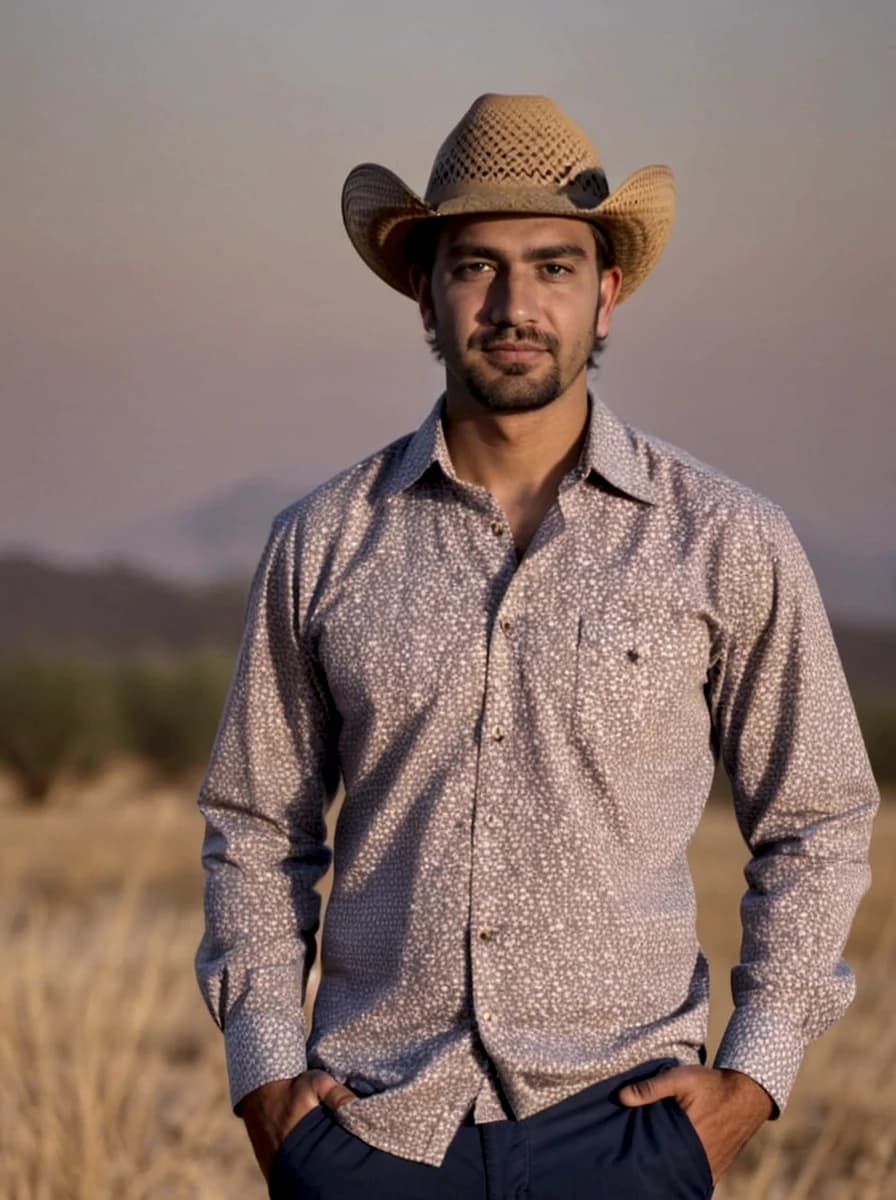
x=426, y=446
x=610, y=452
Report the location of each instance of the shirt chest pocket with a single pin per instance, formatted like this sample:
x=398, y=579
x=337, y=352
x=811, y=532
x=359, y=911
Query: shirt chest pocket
x=637, y=672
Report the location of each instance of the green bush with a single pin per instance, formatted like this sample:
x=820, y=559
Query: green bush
x=73, y=715
x=877, y=716
x=56, y=715
x=170, y=708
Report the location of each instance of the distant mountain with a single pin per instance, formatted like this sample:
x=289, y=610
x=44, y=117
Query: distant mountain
x=858, y=584
x=869, y=656
x=111, y=609
x=115, y=608
x=220, y=538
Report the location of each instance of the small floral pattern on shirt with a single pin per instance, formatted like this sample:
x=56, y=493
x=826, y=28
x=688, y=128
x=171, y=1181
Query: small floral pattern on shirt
x=526, y=749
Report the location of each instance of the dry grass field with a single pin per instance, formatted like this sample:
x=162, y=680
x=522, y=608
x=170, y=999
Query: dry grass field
x=111, y=1072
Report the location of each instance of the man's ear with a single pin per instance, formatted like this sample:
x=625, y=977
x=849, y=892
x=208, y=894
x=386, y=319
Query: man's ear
x=423, y=296
x=610, y=283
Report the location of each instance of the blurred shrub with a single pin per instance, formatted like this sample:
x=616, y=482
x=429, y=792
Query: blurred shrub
x=877, y=716
x=74, y=714
x=56, y=716
x=170, y=708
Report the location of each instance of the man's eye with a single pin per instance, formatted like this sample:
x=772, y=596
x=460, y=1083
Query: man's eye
x=470, y=270
x=555, y=270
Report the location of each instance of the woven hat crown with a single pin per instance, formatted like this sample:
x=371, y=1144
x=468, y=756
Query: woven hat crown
x=513, y=155
x=514, y=141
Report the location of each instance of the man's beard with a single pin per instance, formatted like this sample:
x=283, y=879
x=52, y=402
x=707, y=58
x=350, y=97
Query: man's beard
x=510, y=390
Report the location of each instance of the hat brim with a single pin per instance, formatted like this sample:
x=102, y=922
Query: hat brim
x=381, y=212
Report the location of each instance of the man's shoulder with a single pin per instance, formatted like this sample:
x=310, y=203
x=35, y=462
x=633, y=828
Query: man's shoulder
x=348, y=493
x=694, y=490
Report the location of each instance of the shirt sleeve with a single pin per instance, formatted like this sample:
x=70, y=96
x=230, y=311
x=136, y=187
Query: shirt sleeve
x=273, y=770
x=804, y=797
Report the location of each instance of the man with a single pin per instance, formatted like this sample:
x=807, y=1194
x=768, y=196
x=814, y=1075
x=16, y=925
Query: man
x=521, y=637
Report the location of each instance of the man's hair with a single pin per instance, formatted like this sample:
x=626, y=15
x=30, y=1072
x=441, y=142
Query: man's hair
x=420, y=254
x=606, y=252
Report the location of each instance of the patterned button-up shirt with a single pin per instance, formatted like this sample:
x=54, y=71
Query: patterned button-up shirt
x=526, y=746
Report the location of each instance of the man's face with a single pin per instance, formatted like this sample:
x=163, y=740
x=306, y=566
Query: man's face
x=514, y=304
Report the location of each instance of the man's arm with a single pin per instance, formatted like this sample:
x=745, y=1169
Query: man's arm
x=804, y=797
x=273, y=769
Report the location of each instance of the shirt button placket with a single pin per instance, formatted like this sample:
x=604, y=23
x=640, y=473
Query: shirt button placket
x=484, y=969
x=497, y=719
x=482, y=930
x=484, y=964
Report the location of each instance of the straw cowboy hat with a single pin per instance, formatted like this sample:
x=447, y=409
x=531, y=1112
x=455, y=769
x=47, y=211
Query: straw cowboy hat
x=511, y=154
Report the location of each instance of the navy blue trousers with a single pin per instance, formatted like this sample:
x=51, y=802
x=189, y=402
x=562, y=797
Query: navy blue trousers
x=588, y=1145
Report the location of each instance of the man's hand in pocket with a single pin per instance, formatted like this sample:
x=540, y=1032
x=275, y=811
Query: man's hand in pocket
x=724, y=1106
x=270, y=1111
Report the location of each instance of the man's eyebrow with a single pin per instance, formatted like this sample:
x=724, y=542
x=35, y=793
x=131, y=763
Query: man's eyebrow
x=469, y=250
x=539, y=254
x=564, y=250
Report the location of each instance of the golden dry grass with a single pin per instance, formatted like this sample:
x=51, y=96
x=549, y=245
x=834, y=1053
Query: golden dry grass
x=111, y=1072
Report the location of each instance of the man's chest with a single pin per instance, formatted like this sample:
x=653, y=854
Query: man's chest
x=596, y=630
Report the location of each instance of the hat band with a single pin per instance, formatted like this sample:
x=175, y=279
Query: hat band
x=469, y=197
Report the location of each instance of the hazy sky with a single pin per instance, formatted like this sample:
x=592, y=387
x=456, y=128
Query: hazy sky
x=181, y=308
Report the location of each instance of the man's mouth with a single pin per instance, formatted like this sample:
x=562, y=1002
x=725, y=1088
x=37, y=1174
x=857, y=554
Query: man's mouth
x=516, y=352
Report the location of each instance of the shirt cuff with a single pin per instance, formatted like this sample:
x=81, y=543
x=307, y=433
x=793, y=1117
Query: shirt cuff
x=765, y=1046
x=264, y=1034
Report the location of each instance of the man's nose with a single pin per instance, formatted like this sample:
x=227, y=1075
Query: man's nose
x=512, y=299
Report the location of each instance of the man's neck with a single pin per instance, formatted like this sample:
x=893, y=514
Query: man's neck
x=518, y=455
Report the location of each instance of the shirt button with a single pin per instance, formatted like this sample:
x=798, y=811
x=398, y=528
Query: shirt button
x=487, y=1016
x=498, y=734
x=485, y=933
x=497, y=529
x=506, y=624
